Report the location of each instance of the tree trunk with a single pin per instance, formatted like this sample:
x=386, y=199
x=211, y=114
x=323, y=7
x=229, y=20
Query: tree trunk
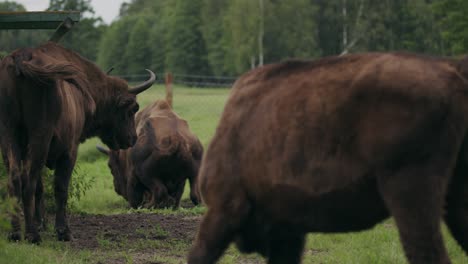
x=260, y=35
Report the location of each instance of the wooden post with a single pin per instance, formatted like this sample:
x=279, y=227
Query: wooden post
x=62, y=29
x=168, y=81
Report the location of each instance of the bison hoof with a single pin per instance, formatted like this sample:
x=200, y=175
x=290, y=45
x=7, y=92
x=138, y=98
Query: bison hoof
x=14, y=236
x=194, y=201
x=34, y=238
x=64, y=234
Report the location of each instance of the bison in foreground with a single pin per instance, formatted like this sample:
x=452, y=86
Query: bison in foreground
x=165, y=155
x=51, y=99
x=338, y=145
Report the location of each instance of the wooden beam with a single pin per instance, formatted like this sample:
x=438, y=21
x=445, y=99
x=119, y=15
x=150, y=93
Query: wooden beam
x=37, y=20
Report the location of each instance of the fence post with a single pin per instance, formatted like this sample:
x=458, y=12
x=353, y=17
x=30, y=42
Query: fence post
x=168, y=81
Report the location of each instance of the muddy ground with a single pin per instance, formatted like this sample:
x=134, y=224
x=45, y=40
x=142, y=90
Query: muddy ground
x=90, y=230
x=132, y=238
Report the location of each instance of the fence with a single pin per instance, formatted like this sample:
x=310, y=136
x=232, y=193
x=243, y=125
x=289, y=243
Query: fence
x=189, y=80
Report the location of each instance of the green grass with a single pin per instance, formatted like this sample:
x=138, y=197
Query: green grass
x=202, y=109
x=24, y=253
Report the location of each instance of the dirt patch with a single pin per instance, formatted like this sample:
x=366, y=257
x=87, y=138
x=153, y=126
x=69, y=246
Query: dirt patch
x=137, y=237
x=96, y=231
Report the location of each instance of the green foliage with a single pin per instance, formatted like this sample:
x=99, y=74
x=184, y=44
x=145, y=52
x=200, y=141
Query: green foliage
x=212, y=14
x=80, y=183
x=187, y=53
x=224, y=37
x=137, y=51
x=397, y=25
x=158, y=34
x=3, y=54
x=6, y=205
x=451, y=16
x=11, y=6
x=241, y=26
x=114, y=44
x=84, y=6
x=13, y=39
x=85, y=36
x=295, y=37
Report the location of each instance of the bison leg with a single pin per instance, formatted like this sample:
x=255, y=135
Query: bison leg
x=12, y=160
x=159, y=193
x=286, y=248
x=178, y=194
x=193, y=175
x=414, y=196
x=456, y=216
x=217, y=229
x=40, y=207
x=135, y=192
x=32, y=168
x=63, y=173
x=39, y=213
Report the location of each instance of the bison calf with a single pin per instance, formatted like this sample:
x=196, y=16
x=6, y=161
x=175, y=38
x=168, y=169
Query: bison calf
x=337, y=145
x=165, y=155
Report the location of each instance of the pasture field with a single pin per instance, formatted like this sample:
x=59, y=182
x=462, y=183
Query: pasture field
x=106, y=230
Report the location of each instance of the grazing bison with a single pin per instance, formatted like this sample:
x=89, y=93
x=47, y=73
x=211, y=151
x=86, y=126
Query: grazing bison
x=165, y=155
x=337, y=145
x=51, y=99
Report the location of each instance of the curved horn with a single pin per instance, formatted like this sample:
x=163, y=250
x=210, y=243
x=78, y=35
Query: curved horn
x=109, y=71
x=145, y=85
x=102, y=149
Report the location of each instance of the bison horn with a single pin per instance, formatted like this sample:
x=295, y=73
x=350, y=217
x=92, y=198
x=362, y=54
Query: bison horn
x=109, y=71
x=102, y=149
x=143, y=86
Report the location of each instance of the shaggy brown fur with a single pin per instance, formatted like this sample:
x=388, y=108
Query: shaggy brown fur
x=338, y=145
x=165, y=155
x=51, y=99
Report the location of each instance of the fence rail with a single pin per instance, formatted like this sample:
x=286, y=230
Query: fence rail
x=186, y=80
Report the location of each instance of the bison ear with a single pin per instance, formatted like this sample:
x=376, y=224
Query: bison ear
x=102, y=150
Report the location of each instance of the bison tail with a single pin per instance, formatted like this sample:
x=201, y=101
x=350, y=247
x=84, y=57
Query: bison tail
x=45, y=74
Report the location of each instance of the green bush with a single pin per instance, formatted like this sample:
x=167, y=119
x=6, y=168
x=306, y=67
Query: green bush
x=3, y=54
x=5, y=204
x=79, y=184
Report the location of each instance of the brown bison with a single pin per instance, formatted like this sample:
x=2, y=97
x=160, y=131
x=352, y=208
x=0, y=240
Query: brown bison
x=51, y=99
x=165, y=155
x=338, y=145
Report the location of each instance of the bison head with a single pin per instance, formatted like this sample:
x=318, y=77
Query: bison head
x=118, y=122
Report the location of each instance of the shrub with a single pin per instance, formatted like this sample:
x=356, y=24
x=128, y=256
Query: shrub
x=5, y=204
x=80, y=183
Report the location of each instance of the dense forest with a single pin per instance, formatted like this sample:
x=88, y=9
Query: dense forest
x=228, y=37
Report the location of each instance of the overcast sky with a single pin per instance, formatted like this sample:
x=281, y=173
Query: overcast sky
x=107, y=9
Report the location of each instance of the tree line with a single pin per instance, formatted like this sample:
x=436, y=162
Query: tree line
x=228, y=37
